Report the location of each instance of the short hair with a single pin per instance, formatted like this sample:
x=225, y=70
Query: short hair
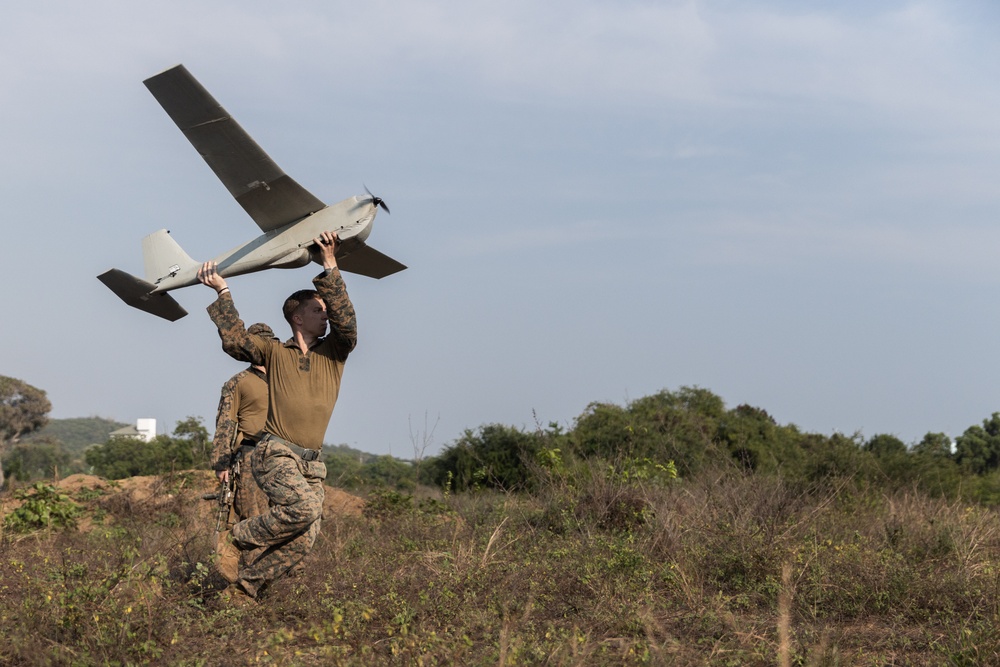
x=293, y=302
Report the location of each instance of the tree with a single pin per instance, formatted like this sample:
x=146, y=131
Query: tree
x=128, y=457
x=40, y=458
x=388, y=472
x=603, y=430
x=494, y=456
x=978, y=449
x=23, y=409
x=194, y=433
x=351, y=469
x=678, y=426
x=934, y=445
x=884, y=444
x=756, y=442
x=828, y=459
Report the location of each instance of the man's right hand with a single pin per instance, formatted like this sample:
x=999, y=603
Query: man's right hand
x=223, y=475
x=208, y=275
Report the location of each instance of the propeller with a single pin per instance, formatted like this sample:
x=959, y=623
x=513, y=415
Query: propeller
x=378, y=201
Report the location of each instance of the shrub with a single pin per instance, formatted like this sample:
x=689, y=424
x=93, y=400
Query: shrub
x=494, y=456
x=676, y=426
x=39, y=458
x=127, y=457
x=42, y=506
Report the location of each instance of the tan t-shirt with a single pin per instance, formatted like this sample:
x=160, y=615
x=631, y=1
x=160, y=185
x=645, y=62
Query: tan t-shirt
x=303, y=387
x=242, y=412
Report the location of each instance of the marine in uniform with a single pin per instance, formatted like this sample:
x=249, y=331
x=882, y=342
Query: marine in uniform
x=304, y=375
x=239, y=421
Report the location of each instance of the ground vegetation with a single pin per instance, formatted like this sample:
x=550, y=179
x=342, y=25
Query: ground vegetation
x=670, y=530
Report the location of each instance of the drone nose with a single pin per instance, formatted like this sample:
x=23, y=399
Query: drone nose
x=377, y=201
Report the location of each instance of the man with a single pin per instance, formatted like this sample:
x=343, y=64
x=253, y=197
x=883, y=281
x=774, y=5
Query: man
x=238, y=423
x=304, y=375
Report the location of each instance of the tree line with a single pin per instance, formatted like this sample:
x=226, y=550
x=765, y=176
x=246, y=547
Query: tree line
x=692, y=429
x=685, y=431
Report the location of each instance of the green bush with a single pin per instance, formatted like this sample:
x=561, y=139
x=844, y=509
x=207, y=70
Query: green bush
x=494, y=456
x=42, y=506
x=676, y=426
x=189, y=447
x=38, y=459
x=357, y=471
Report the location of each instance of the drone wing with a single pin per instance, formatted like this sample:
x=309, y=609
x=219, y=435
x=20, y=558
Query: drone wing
x=368, y=261
x=258, y=184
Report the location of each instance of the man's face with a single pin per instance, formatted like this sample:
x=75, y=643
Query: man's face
x=312, y=317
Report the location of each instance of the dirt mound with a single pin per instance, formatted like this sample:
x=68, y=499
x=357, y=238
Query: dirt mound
x=144, y=487
x=341, y=503
x=191, y=483
x=156, y=491
x=75, y=483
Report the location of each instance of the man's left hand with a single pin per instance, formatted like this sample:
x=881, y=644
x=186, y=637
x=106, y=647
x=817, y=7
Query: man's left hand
x=328, y=244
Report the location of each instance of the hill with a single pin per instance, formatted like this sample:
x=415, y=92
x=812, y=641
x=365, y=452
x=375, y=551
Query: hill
x=78, y=433
x=348, y=452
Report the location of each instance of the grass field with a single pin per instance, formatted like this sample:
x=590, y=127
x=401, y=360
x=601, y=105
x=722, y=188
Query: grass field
x=720, y=569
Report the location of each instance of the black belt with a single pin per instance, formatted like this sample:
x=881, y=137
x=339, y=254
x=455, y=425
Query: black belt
x=246, y=445
x=301, y=452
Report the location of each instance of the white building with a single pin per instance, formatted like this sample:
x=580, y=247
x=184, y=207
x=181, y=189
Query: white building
x=145, y=428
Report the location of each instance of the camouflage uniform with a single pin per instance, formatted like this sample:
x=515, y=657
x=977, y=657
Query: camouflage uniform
x=285, y=534
x=303, y=392
x=241, y=416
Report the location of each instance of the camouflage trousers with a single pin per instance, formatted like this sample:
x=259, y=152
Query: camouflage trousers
x=281, y=537
x=248, y=501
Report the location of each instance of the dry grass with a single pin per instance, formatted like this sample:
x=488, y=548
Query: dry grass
x=723, y=569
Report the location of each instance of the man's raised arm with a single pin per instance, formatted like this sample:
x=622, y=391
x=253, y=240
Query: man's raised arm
x=332, y=290
x=236, y=342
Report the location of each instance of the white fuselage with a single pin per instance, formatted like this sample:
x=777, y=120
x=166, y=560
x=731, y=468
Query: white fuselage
x=289, y=246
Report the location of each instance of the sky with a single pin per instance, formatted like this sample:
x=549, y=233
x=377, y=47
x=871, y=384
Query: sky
x=793, y=205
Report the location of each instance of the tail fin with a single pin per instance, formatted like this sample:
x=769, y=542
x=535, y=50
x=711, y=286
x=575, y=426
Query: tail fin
x=162, y=256
x=136, y=293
